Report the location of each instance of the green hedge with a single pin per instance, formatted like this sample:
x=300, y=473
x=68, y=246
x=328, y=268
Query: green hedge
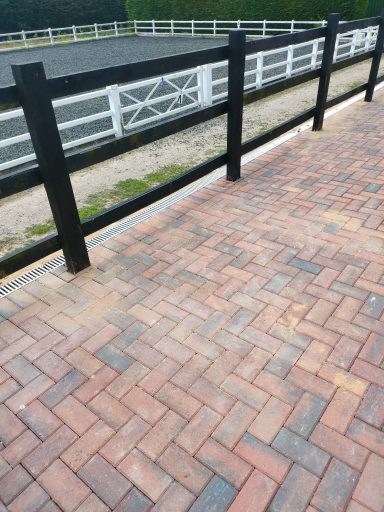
x=375, y=7
x=244, y=9
x=35, y=14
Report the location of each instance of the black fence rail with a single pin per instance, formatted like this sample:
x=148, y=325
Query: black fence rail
x=34, y=92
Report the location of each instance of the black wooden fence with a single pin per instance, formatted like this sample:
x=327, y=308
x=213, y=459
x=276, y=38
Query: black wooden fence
x=34, y=92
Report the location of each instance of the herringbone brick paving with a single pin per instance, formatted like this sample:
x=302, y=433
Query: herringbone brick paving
x=226, y=354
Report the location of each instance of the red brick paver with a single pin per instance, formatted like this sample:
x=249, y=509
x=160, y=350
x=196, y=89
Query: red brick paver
x=226, y=354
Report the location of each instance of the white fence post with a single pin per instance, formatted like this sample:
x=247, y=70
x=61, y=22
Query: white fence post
x=288, y=72
x=200, y=82
x=323, y=23
x=368, y=38
x=116, y=28
x=214, y=28
x=264, y=28
x=336, y=47
x=74, y=33
x=238, y=24
x=24, y=37
x=292, y=26
x=135, y=26
x=204, y=81
x=259, y=70
x=153, y=27
x=172, y=29
x=193, y=28
x=354, y=43
x=96, y=31
x=315, y=49
x=50, y=36
x=115, y=106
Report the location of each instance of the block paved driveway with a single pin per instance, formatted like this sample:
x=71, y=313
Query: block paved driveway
x=226, y=354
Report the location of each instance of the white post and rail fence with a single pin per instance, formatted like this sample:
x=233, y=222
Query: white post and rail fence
x=143, y=102
x=200, y=28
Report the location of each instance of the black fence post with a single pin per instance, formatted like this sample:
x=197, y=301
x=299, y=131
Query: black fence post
x=35, y=99
x=325, y=71
x=376, y=59
x=236, y=68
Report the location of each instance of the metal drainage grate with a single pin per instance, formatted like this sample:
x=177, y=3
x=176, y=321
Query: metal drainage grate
x=131, y=221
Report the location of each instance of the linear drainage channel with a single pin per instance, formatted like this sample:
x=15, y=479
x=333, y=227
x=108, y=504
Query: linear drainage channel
x=109, y=233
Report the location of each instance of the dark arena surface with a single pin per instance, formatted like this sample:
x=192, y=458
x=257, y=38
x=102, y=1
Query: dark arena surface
x=71, y=58
x=84, y=56
x=64, y=59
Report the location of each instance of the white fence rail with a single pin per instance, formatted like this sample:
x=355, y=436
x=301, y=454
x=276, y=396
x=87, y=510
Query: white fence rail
x=257, y=28
x=51, y=36
x=141, y=103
